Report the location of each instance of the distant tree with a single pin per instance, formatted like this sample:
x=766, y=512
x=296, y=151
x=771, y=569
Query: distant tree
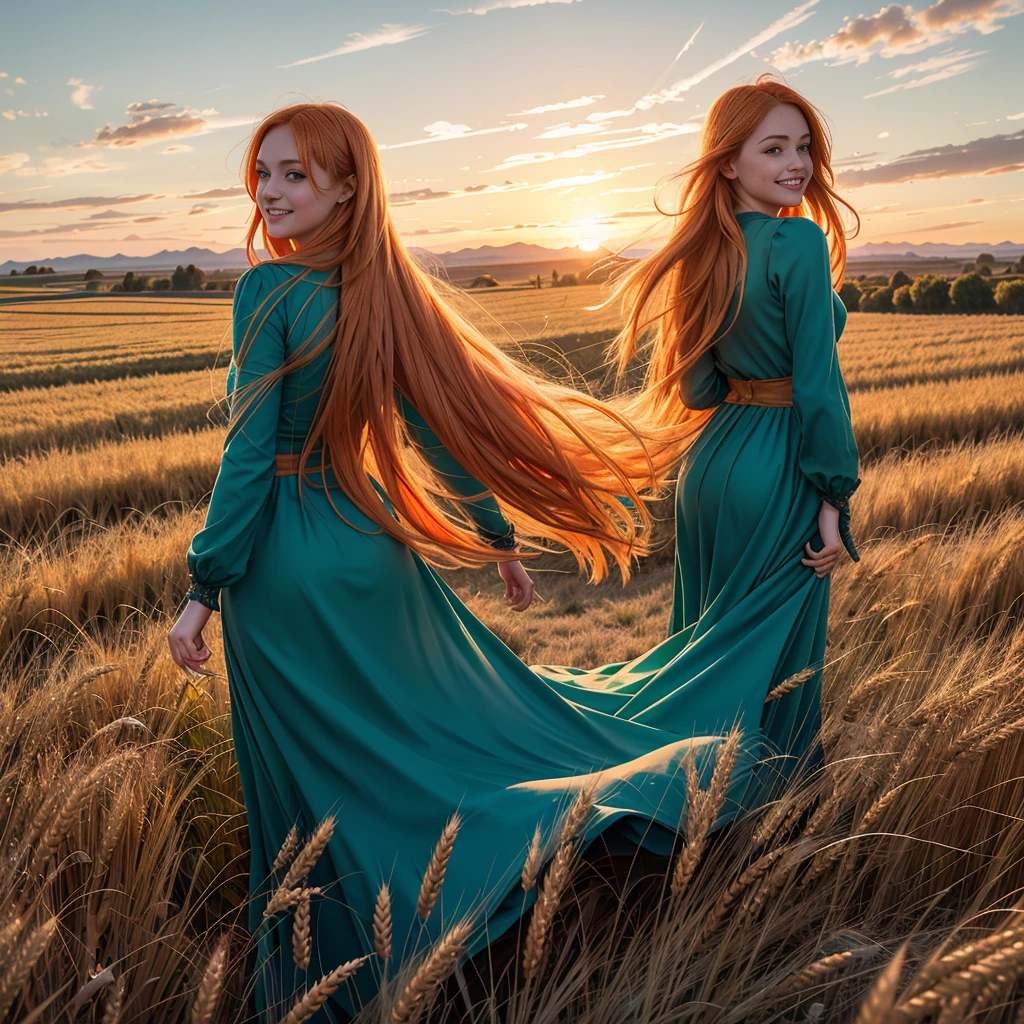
x=985, y=270
x=901, y=299
x=898, y=280
x=47, y=270
x=117, y=287
x=483, y=281
x=211, y=286
x=1018, y=267
x=971, y=293
x=1010, y=297
x=850, y=294
x=187, y=279
x=128, y=281
x=554, y=276
x=162, y=284
x=878, y=300
x=536, y=282
x=92, y=274
x=227, y=286
x=31, y=270
x=13, y=273
x=968, y=268
x=985, y=259
x=568, y=281
x=92, y=286
x=930, y=294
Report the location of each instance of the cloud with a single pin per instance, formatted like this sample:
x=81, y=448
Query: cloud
x=216, y=193
x=61, y=167
x=938, y=76
x=83, y=93
x=948, y=226
x=547, y=108
x=646, y=134
x=501, y=5
x=896, y=30
x=78, y=203
x=565, y=130
x=12, y=161
x=10, y=114
x=997, y=154
x=386, y=35
x=148, y=122
x=445, y=131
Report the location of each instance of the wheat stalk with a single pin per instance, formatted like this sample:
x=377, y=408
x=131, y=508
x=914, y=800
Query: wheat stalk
x=300, y=934
x=285, y=899
x=548, y=899
x=877, y=1007
x=939, y=967
x=813, y=973
x=309, y=854
x=382, y=924
x=433, y=878
x=531, y=866
x=113, y=1000
x=23, y=961
x=790, y=684
x=212, y=984
x=430, y=974
x=321, y=991
x=749, y=877
x=287, y=851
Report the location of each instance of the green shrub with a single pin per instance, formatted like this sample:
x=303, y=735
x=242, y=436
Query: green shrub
x=902, y=299
x=850, y=294
x=971, y=294
x=878, y=300
x=1010, y=297
x=930, y=294
x=898, y=280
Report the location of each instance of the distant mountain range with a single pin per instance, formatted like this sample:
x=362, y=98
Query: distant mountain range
x=484, y=255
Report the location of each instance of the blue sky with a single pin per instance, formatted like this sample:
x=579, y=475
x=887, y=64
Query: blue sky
x=548, y=121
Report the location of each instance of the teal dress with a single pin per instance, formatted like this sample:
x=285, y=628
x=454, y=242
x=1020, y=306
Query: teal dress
x=361, y=686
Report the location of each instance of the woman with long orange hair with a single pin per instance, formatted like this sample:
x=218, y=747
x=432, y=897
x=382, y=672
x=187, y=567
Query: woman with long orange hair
x=375, y=435
x=747, y=320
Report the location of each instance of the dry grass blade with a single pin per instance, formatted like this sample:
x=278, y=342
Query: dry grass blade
x=212, y=984
x=382, y=923
x=750, y=877
x=877, y=1007
x=23, y=961
x=321, y=991
x=434, y=969
x=433, y=878
x=531, y=866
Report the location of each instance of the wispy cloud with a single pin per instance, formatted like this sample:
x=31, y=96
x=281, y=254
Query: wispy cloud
x=642, y=136
x=445, y=131
x=386, y=35
x=547, y=108
x=997, y=154
x=77, y=202
x=948, y=226
x=82, y=93
x=949, y=71
x=501, y=5
x=896, y=30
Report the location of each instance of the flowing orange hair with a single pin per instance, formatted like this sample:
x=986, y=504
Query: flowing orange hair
x=557, y=460
x=685, y=286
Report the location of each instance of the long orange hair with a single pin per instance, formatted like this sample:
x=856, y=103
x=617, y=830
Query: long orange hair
x=685, y=286
x=557, y=460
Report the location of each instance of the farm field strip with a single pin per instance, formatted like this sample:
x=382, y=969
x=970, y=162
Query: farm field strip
x=139, y=565
x=898, y=492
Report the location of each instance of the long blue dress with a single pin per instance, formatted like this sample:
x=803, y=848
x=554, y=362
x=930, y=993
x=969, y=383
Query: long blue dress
x=362, y=686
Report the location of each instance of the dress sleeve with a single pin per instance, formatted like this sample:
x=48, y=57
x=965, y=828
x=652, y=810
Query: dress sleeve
x=703, y=385
x=799, y=271
x=484, y=511
x=220, y=551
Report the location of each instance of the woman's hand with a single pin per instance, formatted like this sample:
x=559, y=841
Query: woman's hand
x=188, y=648
x=518, y=585
x=824, y=561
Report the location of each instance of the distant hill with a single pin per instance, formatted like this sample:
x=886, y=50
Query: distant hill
x=483, y=255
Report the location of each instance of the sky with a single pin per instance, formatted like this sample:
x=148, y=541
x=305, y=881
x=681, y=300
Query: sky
x=547, y=121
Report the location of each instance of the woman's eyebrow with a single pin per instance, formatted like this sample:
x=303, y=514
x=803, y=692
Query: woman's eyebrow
x=806, y=135
x=280, y=162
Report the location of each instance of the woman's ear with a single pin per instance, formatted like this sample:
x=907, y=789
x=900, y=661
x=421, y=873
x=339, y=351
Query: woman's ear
x=727, y=169
x=350, y=189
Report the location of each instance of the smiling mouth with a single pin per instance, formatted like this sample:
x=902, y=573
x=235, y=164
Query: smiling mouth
x=789, y=182
x=274, y=212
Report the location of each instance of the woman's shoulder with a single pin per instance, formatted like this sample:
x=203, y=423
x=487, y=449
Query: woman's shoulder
x=797, y=231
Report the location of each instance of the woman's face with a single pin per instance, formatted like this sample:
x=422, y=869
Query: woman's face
x=284, y=186
x=774, y=165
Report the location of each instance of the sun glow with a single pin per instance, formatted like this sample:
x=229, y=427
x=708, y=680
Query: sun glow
x=588, y=244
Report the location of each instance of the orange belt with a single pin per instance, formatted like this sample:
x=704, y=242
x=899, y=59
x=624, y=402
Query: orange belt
x=774, y=391
x=287, y=463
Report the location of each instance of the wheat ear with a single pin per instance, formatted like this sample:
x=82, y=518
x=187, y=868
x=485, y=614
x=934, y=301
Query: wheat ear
x=321, y=991
x=430, y=974
x=212, y=984
x=382, y=924
x=433, y=878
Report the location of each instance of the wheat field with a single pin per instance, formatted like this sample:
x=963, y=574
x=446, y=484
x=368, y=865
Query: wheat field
x=887, y=888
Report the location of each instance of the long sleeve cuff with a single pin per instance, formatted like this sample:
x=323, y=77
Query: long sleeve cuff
x=209, y=596
x=500, y=541
x=842, y=502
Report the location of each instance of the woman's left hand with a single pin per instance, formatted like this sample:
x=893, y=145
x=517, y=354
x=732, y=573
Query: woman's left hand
x=185, y=639
x=518, y=585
